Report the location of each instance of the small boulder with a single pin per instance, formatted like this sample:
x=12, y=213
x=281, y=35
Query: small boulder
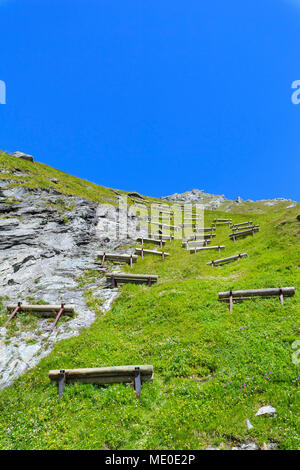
x=24, y=156
x=266, y=410
x=239, y=200
x=135, y=194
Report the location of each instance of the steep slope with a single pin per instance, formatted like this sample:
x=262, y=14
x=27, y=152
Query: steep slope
x=212, y=370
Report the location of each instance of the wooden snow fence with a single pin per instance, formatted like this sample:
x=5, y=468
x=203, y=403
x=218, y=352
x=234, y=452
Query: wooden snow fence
x=116, y=278
x=244, y=228
x=220, y=262
x=120, y=257
x=44, y=310
x=244, y=233
x=241, y=295
x=193, y=243
x=200, y=248
x=241, y=224
x=103, y=376
x=143, y=251
x=155, y=241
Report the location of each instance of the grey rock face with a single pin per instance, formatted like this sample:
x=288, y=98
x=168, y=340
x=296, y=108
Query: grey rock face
x=24, y=156
x=48, y=240
x=197, y=196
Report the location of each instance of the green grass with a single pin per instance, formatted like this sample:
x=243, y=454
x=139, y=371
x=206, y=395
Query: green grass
x=212, y=370
x=37, y=175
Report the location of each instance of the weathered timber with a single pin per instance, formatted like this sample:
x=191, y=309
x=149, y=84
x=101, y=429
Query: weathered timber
x=202, y=236
x=45, y=310
x=155, y=241
x=200, y=248
x=244, y=233
x=222, y=220
x=242, y=223
x=51, y=309
x=116, y=278
x=103, y=376
x=196, y=243
x=240, y=295
x=173, y=227
x=245, y=228
x=219, y=262
x=126, y=258
x=143, y=251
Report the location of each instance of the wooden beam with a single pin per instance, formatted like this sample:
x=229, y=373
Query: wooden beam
x=218, y=262
x=155, y=241
x=141, y=251
x=200, y=248
x=286, y=291
x=50, y=309
x=117, y=257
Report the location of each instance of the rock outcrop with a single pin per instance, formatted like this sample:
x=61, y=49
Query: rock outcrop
x=48, y=241
x=24, y=156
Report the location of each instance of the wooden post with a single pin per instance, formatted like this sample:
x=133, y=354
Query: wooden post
x=149, y=282
x=14, y=313
x=58, y=316
x=281, y=296
x=212, y=264
x=219, y=248
x=130, y=262
x=61, y=383
x=103, y=259
x=163, y=255
x=113, y=282
x=230, y=301
x=142, y=253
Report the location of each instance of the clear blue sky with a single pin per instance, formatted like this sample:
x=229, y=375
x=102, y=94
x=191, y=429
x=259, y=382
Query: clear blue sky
x=159, y=96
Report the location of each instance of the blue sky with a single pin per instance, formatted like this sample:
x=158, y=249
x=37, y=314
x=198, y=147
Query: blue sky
x=160, y=96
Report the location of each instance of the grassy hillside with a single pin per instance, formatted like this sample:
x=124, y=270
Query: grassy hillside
x=37, y=175
x=212, y=370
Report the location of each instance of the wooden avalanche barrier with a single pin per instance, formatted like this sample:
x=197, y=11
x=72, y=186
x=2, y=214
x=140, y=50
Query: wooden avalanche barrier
x=250, y=223
x=240, y=295
x=193, y=243
x=155, y=241
x=117, y=257
x=103, y=376
x=200, y=248
x=115, y=278
x=44, y=310
x=244, y=228
x=244, y=233
x=220, y=262
x=143, y=251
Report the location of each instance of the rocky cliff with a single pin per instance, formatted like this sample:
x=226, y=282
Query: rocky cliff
x=48, y=242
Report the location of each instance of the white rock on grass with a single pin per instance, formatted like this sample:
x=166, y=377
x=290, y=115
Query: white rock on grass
x=249, y=425
x=266, y=410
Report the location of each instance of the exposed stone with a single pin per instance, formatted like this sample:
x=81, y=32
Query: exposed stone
x=266, y=410
x=44, y=249
x=135, y=194
x=239, y=200
x=24, y=156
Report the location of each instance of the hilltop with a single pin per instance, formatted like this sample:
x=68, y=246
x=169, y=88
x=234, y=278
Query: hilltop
x=212, y=370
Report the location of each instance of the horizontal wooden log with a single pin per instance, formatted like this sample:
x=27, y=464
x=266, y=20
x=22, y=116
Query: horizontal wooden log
x=191, y=238
x=286, y=292
x=245, y=228
x=200, y=248
x=222, y=220
x=151, y=252
x=115, y=279
x=52, y=310
x=117, y=257
x=172, y=227
x=242, y=223
x=195, y=242
x=243, y=233
x=155, y=241
x=102, y=372
x=228, y=259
